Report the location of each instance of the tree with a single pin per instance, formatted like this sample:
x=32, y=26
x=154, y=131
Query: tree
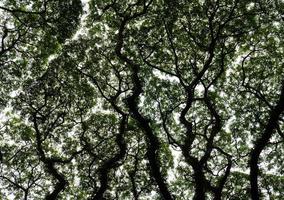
x=142, y=99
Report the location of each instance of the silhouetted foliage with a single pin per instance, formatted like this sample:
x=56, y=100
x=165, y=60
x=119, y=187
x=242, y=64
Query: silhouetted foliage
x=144, y=99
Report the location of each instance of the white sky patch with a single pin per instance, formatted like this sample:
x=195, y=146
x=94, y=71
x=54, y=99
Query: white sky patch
x=86, y=12
x=164, y=76
x=171, y=172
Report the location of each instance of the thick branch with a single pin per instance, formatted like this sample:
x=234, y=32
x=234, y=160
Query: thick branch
x=112, y=162
x=132, y=103
x=262, y=142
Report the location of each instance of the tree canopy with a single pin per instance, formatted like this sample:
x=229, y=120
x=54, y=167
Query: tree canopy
x=142, y=99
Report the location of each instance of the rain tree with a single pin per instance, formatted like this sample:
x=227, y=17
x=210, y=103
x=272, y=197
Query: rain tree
x=143, y=99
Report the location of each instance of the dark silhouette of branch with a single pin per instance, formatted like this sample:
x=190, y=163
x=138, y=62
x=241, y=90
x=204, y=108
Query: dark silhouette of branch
x=132, y=103
x=262, y=142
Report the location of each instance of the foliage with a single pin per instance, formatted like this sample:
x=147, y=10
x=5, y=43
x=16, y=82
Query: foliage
x=146, y=99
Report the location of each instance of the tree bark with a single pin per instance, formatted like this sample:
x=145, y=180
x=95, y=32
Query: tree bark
x=261, y=143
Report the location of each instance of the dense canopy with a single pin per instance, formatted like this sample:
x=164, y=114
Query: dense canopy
x=142, y=99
